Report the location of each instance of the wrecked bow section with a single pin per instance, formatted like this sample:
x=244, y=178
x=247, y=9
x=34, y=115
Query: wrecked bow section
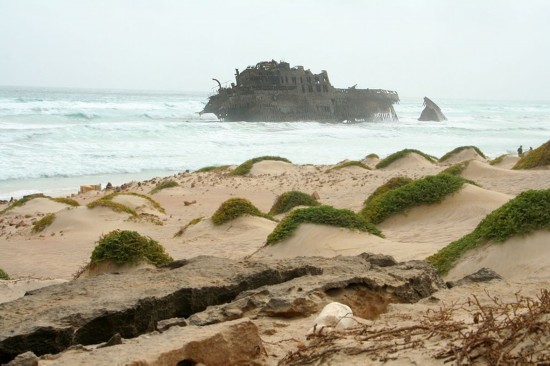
x=431, y=112
x=273, y=91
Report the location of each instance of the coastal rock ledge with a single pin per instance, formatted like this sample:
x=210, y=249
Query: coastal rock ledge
x=205, y=290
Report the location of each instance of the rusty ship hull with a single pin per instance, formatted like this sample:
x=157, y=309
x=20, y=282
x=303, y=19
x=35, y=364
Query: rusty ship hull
x=274, y=92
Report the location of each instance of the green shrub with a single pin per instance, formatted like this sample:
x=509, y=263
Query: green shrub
x=155, y=204
x=3, y=275
x=115, y=206
x=347, y=164
x=400, y=154
x=195, y=221
x=528, y=212
x=428, y=190
x=233, y=208
x=43, y=223
x=456, y=169
x=373, y=156
x=289, y=200
x=498, y=159
x=391, y=184
x=129, y=247
x=536, y=158
x=163, y=185
x=245, y=167
x=212, y=169
x=322, y=215
x=459, y=149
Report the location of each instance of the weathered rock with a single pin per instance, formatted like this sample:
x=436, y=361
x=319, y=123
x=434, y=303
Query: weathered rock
x=24, y=359
x=164, y=325
x=90, y=311
x=233, y=343
x=483, y=275
x=380, y=260
x=431, y=112
x=113, y=341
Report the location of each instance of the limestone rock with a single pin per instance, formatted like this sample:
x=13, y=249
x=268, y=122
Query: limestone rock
x=483, y=275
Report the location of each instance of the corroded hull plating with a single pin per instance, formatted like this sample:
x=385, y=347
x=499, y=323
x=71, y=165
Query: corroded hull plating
x=273, y=92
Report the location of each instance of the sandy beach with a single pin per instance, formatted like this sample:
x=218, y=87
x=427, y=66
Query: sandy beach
x=55, y=254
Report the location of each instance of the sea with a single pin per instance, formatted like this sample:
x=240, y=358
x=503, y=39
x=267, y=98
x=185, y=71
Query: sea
x=54, y=140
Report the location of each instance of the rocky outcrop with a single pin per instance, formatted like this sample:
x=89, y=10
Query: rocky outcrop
x=91, y=311
x=483, y=275
x=431, y=112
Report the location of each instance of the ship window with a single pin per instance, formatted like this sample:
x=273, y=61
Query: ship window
x=325, y=88
x=318, y=87
x=286, y=79
x=294, y=80
x=310, y=88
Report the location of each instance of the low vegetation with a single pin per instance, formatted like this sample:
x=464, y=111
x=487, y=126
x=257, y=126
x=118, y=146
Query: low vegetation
x=528, y=212
x=348, y=164
x=288, y=200
x=400, y=154
x=498, y=159
x=235, y=207
x=245, y=167
x=3, y=275
x=459, y=149
x=428, y=190
x=391, y=184
x=194, y=221
x=20, y=202
x=129, y=247
x=539, y=157
x=155, y=204
x=456, y=169
x=373, y=156
x=43, y=223
x=115, y=206
x=163, y=185
x=322, y=215
x=212, y=169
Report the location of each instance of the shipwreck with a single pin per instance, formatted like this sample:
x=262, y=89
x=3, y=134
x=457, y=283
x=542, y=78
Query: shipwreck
x=275, y=92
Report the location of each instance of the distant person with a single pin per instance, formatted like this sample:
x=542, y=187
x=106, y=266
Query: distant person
x=520, y=150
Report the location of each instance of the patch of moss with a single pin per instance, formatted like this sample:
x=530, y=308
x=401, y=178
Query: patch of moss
x=245, y=167
x=391, y=184
x=115, y=206
x=194, y=221
x=3, y=275
x=456, y=169
x=212, y=169
x=43, y=223
x=129, y=247
x=288, y=200
x=459, y=149
x=155, y=204
x=539, y=157
x=347, y=164
x=400, y=154
x=373, y=156
x=528, y=212
x=163, y=185
x=322, y=215
x=236, y=207
x=428, y=190
x=498, y=159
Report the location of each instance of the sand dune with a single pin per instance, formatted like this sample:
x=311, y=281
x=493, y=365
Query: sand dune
x=410, y=161
x=441, y=223
x=272, y=167
x=463, y=155
x=38, y=205
x=476, y=170
x=507, y=162
x=519, y=258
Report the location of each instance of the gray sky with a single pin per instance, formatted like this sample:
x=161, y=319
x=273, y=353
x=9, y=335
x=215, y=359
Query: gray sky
x=457, y=49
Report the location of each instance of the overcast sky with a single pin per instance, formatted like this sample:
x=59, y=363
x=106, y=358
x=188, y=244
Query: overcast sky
x=457, y=49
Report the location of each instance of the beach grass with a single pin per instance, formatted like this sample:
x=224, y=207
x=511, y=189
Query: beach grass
x=459, y=149
x=401, y=154
x=245, y=167
x=43, y=223
x=373, y=156
x=234, y=208
x=498, y=159
x=22, y=201
x=115, y=206
x=288, y=200
x=348, y=164
x=155, y=204
x=3, y=275
x=129, y=247
x=322, y=215
x=456, y=169
x=212, y=168
x=428, y=190
x=539, y=157
x=391, y=184
x=163, y=185
x=192, y=222
x=528, y=212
